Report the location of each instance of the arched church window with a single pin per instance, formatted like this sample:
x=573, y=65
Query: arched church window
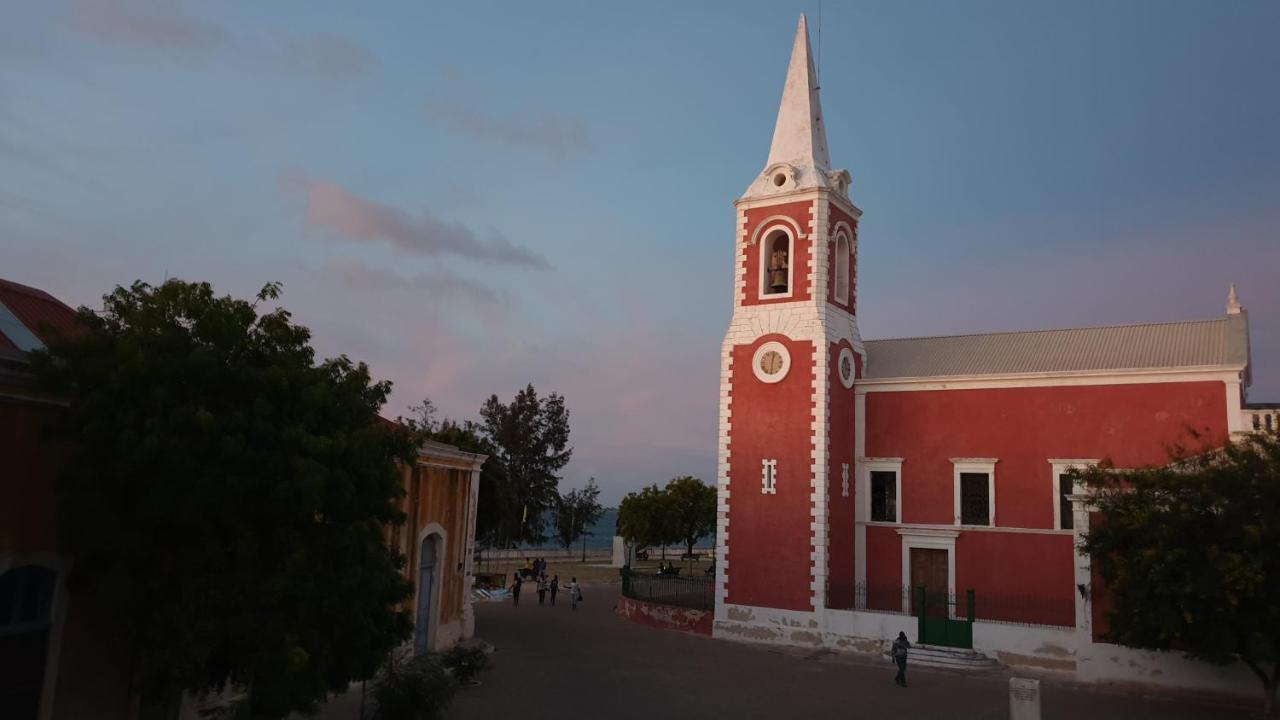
x=776, y=264
x=842, y=269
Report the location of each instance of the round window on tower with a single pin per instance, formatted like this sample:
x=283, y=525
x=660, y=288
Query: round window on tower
x=780, y=179
x=846, y=367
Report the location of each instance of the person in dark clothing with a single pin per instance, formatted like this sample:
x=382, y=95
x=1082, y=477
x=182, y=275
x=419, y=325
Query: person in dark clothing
x=899, y=654
x=515, y=590
x=555, y=588
x=542, y=588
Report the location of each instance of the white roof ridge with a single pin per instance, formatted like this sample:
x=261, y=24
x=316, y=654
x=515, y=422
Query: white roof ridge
x=1051, y=330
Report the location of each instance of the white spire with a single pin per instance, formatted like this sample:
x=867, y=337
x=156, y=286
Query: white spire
x=1233, y=301
x=798, y=158
x=799, y=137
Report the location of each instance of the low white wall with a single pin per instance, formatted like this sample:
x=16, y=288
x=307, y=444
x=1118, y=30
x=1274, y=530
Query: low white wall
x=1041, y=648
x=767, y=625
x=1105, y=663
x=1067, y=652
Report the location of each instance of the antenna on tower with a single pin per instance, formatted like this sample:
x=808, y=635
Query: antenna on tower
x=818, y=70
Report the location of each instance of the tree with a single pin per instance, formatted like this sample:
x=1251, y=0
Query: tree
x=691, y=504
x=530, y=438
x=229, y=495
x=577, y=510
x=1188, y=554
x=644, y=519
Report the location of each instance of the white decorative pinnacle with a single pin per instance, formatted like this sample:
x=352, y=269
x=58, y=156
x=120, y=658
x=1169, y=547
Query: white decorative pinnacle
x=798, y=158
x=1233, y=301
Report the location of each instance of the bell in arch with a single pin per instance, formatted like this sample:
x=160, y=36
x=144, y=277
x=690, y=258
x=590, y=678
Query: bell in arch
x=778, y=268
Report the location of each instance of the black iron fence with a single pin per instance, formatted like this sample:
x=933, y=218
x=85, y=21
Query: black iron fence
x=1011, y=608
x=695, y=593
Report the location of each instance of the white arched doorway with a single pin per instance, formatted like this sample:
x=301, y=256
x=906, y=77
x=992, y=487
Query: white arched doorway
x=430, y=567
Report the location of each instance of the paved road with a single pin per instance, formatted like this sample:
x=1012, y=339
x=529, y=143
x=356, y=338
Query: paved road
x=557, y=663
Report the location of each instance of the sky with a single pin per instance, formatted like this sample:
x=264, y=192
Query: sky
x=475, y=196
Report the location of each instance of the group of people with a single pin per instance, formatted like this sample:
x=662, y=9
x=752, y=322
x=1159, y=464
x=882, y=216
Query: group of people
x=537, y=573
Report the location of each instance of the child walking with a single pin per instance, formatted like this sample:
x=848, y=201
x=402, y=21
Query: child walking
x=555, y=588
x=575, y=593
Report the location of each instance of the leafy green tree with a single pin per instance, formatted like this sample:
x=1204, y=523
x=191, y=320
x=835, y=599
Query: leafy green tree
x=1188, y=554
x=577, y=510
x=644, y=519
x=229, y=495
x=530, y=438
x=691, y=505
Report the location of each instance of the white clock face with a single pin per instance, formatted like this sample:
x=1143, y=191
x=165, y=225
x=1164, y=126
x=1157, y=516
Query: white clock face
x=771, y=362
x=846, y=367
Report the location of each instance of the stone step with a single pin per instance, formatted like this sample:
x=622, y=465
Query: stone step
x=947, y=657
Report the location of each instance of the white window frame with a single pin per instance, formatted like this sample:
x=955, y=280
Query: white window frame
x=893, y=465
x=1060, y=466
x=842, y=262
x=928, y=539
x=765, y=250
x=975, y=465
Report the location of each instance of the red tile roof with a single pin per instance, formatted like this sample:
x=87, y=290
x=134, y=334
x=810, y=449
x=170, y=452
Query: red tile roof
x=41, y=313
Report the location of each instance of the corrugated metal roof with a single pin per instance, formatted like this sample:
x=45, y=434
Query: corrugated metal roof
x=1204, y=343
x=31, y=315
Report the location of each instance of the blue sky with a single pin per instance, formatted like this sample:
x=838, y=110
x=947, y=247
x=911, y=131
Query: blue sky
x=472, y=196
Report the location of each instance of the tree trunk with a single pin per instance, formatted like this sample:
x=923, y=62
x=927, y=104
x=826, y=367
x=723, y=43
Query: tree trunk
x=1268, y=684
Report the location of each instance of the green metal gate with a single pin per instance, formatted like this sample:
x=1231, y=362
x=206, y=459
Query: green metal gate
x=936, y=613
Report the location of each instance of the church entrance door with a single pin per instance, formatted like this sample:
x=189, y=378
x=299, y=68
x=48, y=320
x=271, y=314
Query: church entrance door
x=933, y=603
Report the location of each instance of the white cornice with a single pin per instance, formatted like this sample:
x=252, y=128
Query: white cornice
x=1220, y=373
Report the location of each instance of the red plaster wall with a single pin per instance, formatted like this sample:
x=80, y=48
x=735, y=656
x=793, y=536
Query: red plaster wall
x=1022, y=577
x=884, y=568
x=1023, y=428
x=840, y=536
x=800, y=212
x=836, y=216
x=767, y=533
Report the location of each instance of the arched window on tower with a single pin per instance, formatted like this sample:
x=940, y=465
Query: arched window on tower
x=842, y=269
x=775, y=264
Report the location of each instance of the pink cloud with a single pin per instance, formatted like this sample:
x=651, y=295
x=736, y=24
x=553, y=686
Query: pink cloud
x=153, y=28
x=440, y=283
x=364, y=221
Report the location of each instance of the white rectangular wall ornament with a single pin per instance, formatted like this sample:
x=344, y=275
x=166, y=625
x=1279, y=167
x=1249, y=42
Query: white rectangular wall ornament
x=844, y=479
x=768, y=477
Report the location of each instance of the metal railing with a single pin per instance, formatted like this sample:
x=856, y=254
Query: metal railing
x=694, y=593
x=1014, y=609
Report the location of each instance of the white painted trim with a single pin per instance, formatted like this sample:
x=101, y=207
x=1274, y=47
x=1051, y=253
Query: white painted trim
x=769, y=222
x=840, y=297
x=771, y=346
x=1108, y=377
x=823, y=194
x=768, y=477
x=975, y=465
x=1235, y=407
x=927, y=540
x=1059, y=466
x=893, y=465
x=61, y=566
x=846, y=352
x=437, y=580
x=860, y=514
x=966, y=528
x=765, y=252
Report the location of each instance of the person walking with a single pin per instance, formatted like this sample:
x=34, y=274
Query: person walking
x=542, y=588
x=899, y=654
x=555, y=588
x=515, y=590
x=575, y=593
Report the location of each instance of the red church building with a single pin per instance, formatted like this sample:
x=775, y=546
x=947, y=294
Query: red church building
x=854, y=472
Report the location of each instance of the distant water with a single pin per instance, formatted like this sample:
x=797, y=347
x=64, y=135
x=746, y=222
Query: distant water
x=600, y=537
